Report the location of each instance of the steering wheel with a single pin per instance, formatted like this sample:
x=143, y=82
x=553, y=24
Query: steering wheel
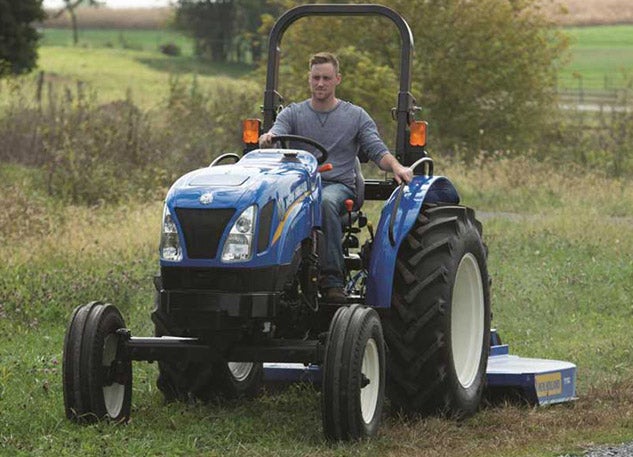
x=303, y=139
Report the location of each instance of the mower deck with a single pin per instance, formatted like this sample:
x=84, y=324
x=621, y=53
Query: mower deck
x=537, y=381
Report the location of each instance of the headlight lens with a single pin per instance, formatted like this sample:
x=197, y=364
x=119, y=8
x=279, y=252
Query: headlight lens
x=239, y=244
x=170, y=249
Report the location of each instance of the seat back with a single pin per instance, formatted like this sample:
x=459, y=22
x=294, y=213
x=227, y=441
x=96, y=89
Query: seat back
x=360, y=186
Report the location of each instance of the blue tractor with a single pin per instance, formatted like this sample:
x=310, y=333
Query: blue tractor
x=238, y=283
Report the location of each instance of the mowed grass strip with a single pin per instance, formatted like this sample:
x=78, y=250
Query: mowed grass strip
x=119, y=73
x=601, y=58
x=133, y=39
x=561, y=289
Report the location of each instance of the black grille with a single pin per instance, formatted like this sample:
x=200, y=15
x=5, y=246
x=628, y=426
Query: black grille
x=266, y=218
x=202, y=229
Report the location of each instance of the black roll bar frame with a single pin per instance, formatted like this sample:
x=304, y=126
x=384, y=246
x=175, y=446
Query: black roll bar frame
x=406, y=103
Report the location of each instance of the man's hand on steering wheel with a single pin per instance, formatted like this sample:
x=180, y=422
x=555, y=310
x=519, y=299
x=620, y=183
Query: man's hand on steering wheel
x=268, y=139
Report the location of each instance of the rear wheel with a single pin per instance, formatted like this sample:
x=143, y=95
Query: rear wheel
x=97, y=383
x=438, y=328
x=353, y=374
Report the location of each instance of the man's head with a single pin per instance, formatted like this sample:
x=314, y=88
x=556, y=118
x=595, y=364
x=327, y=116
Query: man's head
x=324, y=57
x=324, y=76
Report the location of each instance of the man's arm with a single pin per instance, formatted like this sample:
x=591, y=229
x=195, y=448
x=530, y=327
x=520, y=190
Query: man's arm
x=283, y=125
x=401, y=173
x=375, y=148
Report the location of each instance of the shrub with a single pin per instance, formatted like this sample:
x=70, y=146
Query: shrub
x=170, y=49
x=600, y=141
x=112, y=152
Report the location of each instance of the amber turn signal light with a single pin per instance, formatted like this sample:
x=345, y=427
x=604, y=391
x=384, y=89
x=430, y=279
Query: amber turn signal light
x=250, y=131
x=417, y=136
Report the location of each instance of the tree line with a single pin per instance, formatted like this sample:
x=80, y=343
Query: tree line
x=484, y=72
x=227, y=30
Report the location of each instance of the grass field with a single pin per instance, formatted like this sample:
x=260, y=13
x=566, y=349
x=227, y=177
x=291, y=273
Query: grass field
x=561, y=268
x=133, y=39
x=601, y=58
x=111, y=73
x=561, y=250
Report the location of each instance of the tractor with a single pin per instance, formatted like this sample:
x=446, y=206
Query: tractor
x=238, y=287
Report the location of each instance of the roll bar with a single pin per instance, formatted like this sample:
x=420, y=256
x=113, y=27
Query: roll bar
x=406, y=102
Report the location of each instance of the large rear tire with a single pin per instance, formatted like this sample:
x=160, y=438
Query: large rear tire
x=353, y=375
x=97, y=383
x=438, y=328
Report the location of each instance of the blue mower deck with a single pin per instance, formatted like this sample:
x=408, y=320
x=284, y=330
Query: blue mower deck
x=539, y=381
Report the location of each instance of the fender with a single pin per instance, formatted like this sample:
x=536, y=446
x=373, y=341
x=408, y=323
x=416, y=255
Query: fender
x=405, y=204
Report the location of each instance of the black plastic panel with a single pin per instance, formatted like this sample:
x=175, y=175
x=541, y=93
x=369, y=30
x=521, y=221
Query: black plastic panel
x=202, y=229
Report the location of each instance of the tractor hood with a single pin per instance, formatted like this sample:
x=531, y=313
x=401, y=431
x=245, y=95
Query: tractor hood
x=279, y=188
x=258, y=177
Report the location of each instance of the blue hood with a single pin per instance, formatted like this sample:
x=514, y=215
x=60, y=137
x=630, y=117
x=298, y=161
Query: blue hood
x=283, y=182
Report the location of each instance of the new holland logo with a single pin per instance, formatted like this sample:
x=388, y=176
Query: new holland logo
x=206, y=198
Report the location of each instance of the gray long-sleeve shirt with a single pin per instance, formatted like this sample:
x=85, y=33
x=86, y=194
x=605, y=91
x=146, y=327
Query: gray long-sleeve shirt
x=343, y=131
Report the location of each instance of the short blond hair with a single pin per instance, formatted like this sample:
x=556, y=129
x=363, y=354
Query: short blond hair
x=324, y=57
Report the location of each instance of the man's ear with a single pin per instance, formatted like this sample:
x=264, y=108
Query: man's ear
x=339, y=78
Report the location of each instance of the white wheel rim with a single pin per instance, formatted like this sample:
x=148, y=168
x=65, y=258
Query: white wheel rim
x=467, y=320
x=114, y=394
x=371, y=370
x=240, y=370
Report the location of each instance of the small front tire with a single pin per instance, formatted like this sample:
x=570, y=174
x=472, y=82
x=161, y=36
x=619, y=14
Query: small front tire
x=97, y=380
x=353, y=375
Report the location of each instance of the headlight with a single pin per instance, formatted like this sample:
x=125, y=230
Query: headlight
x=169, y=241
x=239, y=244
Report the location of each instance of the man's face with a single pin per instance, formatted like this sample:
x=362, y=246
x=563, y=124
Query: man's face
x=323, y=80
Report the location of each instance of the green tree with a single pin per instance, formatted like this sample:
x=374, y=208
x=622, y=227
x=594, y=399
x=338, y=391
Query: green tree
x=70, y=6
x=211, y=25
x=224, y=30
x=483, y=72
x=18, y=37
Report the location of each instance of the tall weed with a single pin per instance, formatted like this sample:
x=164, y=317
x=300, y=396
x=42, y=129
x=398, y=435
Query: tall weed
x=95, y=153
x=599, y=138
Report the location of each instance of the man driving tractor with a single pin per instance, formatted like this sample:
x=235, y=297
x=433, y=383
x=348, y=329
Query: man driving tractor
x=344, y=129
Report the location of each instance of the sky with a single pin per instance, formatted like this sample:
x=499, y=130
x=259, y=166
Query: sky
x=116, y=3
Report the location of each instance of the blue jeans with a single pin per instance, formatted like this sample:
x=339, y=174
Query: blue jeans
x=332, y=207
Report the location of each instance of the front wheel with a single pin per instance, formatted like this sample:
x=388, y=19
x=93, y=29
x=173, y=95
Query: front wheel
x=97, y=381
x=353, y=374
x=438, y=327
